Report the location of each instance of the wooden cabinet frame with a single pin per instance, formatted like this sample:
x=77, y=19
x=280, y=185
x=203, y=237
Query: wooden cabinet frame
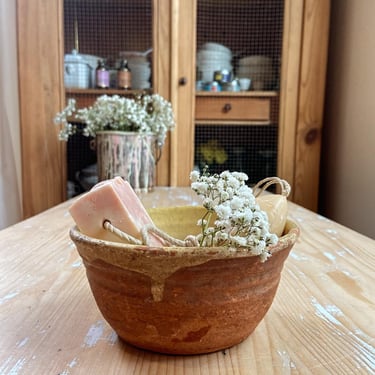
x=41, y=90
x=306, y=31
x=40, y=61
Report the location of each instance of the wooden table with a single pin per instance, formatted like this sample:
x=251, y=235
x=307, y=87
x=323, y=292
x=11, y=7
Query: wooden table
x=322, y=320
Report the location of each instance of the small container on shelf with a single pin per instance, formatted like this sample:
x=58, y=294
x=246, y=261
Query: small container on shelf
x=77, y=71
x=212, y=86
x=232, y=86
x=102, y=77
x=222, y=76
x=124, y=76
x=245, y=84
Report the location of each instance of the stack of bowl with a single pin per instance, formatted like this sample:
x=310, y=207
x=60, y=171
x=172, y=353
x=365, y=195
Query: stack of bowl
x=259, y=69
x=212, y=57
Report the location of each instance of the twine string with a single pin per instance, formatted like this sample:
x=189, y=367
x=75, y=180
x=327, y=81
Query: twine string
x=264, y=184
x=124, y=236
x=189, y=241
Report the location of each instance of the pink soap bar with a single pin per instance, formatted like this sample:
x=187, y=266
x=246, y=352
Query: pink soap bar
x=116, y=201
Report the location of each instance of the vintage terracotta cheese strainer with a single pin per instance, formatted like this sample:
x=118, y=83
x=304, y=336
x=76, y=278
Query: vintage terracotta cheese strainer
x=182, y=300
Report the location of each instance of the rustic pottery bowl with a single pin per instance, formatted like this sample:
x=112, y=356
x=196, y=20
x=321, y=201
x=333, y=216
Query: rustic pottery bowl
x=181, y=300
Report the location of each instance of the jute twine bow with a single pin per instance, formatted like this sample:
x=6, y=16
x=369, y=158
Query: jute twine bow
x=264, y=184
x=189, y=241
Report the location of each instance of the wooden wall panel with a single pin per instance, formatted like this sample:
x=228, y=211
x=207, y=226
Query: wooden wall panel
x=161, y=77
x=289, y=88
x=40, y=64
x=183, y=89
x=311, y=102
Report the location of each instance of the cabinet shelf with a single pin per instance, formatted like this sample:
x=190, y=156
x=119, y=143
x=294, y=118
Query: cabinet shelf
x=99, y=92
x=233, y=123
x=86, y=97
x=238, y=94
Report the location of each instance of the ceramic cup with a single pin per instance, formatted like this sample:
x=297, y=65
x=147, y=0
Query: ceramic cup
x=245, y=84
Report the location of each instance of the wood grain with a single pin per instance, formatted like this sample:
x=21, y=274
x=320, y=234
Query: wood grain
x=321, y=321
x=289, y=81
x=311, y=102
x=41, y=97
x=182, y=95
x=161, y=77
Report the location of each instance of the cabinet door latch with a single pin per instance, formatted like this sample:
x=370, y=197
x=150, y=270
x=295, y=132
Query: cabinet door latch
x=182, y=81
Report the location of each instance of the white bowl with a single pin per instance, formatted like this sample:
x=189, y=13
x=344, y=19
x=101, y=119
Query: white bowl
x=212, y=63
x=144, y=72
x=144, y=64
x=207, y=54
x=144, y=68
x=212, y=46
x=215, y=66
x=257, y=73
x=206, y=75
x=255, y=60
x=141, y=85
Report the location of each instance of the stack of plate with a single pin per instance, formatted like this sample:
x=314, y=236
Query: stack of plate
x=259, y=69
x=212, y=57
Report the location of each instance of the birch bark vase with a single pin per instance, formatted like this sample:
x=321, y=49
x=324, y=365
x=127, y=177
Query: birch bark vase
x=132, y=156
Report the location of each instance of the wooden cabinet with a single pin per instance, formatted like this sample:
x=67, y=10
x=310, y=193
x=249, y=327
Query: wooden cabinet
x=296, y=106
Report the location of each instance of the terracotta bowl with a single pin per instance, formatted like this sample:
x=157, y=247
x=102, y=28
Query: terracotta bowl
x=181, y=300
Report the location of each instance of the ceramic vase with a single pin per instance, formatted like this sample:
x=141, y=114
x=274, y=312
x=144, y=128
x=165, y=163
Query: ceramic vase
x=131, y=155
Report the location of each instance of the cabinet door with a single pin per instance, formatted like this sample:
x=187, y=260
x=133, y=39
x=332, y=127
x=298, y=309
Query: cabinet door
x=113, y=32
x=273, y=128
x=114, y=29
x=237, y=127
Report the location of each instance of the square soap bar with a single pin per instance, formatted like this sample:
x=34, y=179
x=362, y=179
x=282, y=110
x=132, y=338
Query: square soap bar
x=113, y=200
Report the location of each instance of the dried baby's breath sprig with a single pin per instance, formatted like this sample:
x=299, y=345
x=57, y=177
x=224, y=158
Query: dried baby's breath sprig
x=146, y=114
x=233, y=218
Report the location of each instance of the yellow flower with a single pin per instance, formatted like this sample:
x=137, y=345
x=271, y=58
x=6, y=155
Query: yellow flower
x=212, y=152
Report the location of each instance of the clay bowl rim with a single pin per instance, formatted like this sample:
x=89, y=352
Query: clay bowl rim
x=291, y=233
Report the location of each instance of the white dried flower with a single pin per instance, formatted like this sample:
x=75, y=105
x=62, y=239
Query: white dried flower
x=149, y=114
x=194, y=175
x=239, y=222
x=201, y=222
x=223, y=211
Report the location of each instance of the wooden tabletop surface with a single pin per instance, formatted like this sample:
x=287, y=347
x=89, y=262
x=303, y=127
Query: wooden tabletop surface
x=322, y=320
